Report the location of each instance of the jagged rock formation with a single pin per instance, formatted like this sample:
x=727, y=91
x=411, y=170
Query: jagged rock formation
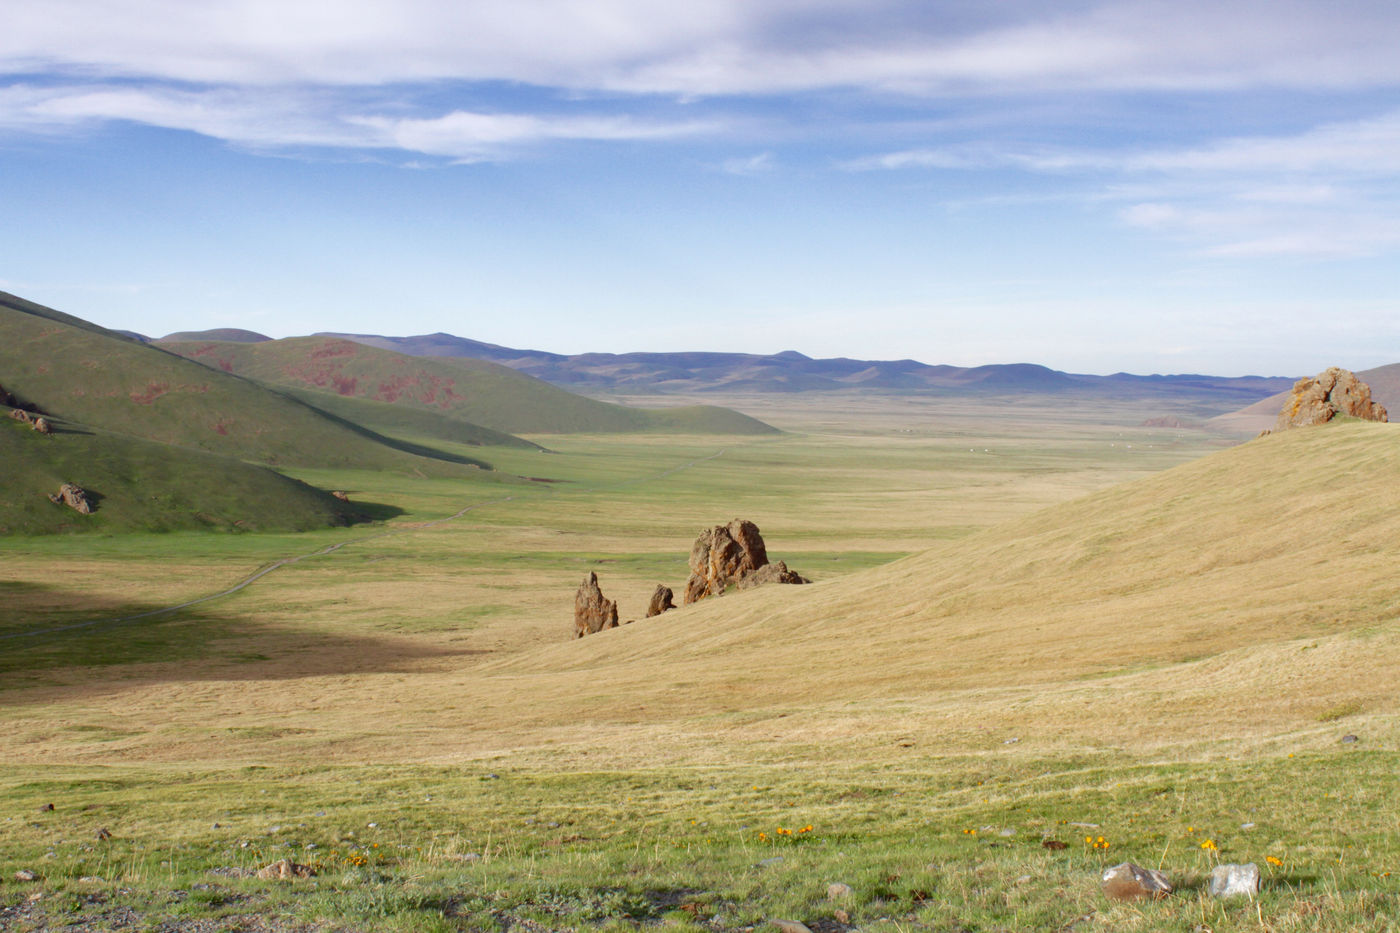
x=776, y=572
x=1330, y=393
x=73, y=496
x=42, y=426
x=661, y=600
x=592, y=613
x=19, y=414
x=729, y=554
x=341, y=495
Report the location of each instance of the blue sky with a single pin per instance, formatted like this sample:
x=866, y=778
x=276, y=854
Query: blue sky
x=1096, y=186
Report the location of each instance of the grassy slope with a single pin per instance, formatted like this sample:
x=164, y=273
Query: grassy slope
x=1228, y=561
x=140, y=485
x=80, y=372
x=475, y=391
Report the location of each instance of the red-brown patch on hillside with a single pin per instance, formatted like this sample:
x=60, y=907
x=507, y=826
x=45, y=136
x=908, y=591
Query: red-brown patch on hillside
x=423, y=388
x=205, y=350
x=221, y=426
x=153, y=391
x=338, y=348
x=345, y=385
x=226, y=365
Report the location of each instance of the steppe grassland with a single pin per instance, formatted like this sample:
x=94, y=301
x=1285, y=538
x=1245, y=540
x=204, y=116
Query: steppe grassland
x=336, y=669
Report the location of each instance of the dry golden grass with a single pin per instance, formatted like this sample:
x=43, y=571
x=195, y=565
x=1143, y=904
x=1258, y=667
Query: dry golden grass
x=1217, y=601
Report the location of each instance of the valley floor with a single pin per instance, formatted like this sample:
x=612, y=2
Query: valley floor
x=402, y=707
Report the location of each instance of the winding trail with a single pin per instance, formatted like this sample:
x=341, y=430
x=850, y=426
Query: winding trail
x=332, y=548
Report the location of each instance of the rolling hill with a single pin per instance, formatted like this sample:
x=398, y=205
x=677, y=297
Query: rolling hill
x=1385, y=388
x=1239, y=581
x=475, y=391
x=141, y=485
x=64, y=366
x=790, y=371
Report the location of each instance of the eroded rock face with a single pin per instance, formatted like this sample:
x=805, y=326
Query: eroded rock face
x=285, y=870
x=1129, y=882
x=592, y=613
x=661, y=600
x=19, y=414
x=73, y=496
x=42, y=426
x=1328, y=394
x=730, y=554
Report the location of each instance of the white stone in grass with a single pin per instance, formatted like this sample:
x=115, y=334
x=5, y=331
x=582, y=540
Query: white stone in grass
x=838, y=891
x=1234, y=880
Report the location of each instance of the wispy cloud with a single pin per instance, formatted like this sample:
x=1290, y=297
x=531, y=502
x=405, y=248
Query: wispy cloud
x=1332, y=190
x=258, y=117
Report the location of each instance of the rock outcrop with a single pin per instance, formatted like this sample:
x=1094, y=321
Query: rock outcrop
x=730, y=554
x=1328, y=394
x=42, y=425
x=776, y=572
x=661, y=600
x=592, y=612
x=19, y=414
x=73, y=496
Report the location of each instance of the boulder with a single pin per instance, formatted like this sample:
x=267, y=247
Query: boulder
x=1234, y=880
x=776, y=572
x=661, y=600
x=341, y=495
x=285, y=870
x=592, y=613
x=42, y=426
x=1129, y=882
x=727, y=554
x=72, y=496
x=1330, y=393
x=19, y=414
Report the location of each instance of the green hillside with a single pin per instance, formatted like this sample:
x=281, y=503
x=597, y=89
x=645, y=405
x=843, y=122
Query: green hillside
x=64, y=366
x=139, y=485
x=476, y=391
x=405, y=421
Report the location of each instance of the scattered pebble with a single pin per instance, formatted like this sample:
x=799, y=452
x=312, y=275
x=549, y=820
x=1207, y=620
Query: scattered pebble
x=838, y=891
x=372, y=825
x=1024, y=879
x=103, y=833
x=1006, y=833
x=1246, y=826
x=25, y=874
x=841, y=916
x=791, y=926
x=1348, y=739
x=771, y=861
x=1011, y=741
x=1054, y=845
x=46, y=808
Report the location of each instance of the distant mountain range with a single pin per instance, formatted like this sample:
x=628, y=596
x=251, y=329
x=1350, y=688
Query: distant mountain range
x=791, y=371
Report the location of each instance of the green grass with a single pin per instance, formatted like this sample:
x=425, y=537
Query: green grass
x=923, y=845
x=143, y=486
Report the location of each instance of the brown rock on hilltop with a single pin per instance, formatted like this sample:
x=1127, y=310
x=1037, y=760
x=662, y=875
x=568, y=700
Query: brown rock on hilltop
x=1330, y=393
x=592, y=613
x=661, y=600
x=732, y=554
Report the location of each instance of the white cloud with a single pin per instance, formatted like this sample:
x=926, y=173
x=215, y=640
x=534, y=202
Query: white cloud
x=262, y=118
x=718, y=46
x=760, y=164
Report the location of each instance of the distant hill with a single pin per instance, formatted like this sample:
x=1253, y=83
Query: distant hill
x=231, y=334
x=790, y=371
x=80, y=372
x=1261, y=415
x=470, y=390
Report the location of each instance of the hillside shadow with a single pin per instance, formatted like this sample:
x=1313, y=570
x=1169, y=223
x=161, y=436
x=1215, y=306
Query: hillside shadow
x=408, y=447
x=374, y=511
x=87, y=642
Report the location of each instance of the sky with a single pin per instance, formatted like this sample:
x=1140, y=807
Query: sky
x=1141, y=185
